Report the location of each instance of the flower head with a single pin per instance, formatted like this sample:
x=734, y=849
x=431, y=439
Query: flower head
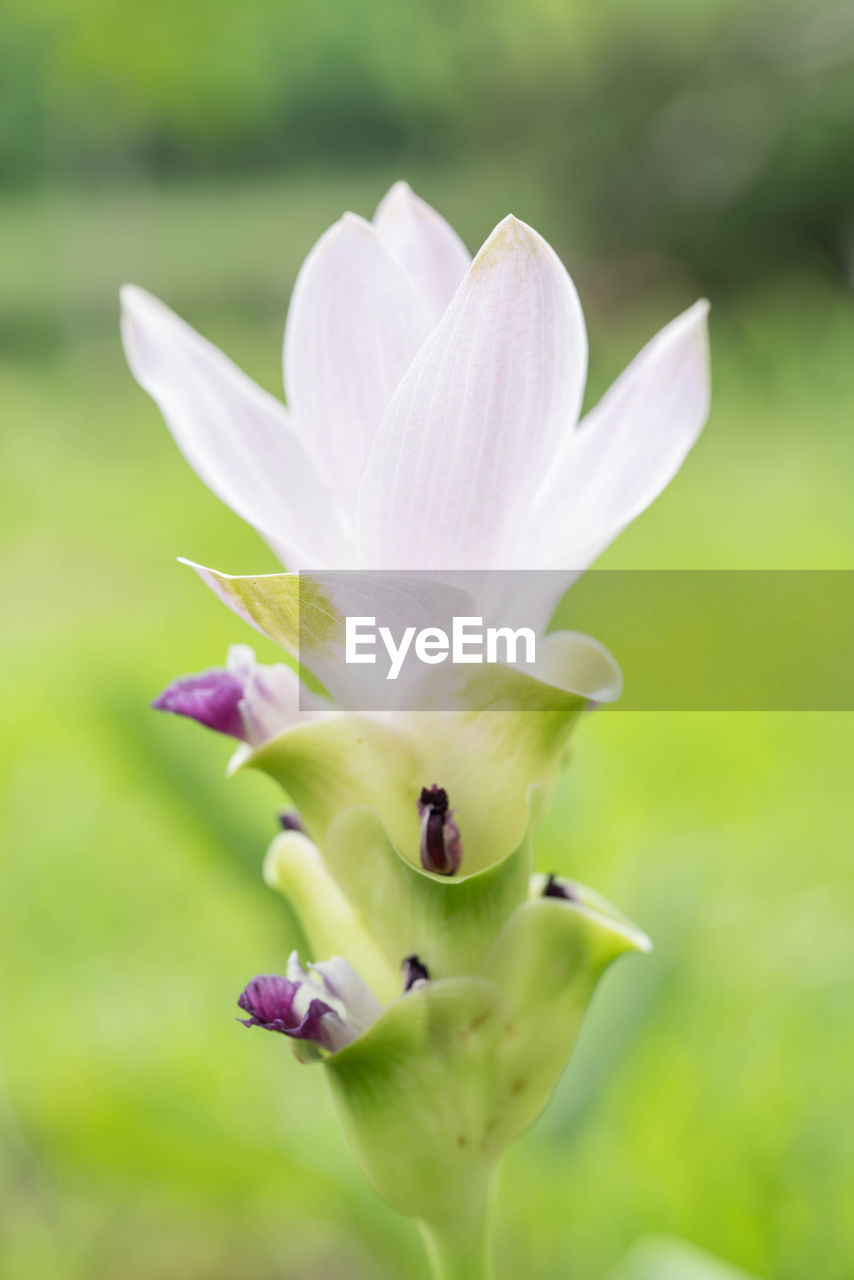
x=211, y=698
x=243, y=699
x=329, y=1004
x=399, y=349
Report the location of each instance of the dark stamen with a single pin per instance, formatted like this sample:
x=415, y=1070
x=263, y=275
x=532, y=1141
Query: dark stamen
x=289, y=820
x=435, y=798
x=413, y=972
x=441, y=847
x=559, y=889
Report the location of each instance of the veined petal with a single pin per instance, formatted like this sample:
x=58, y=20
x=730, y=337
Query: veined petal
x=355, y=322
x=271, y=695
x=474, y=423
x=630, y=446
x=341, y=982
x=234, y=435
x=427, y=245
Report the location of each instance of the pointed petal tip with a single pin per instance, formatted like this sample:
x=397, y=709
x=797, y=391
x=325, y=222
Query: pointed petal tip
x=349, y=226
x=399, y=190
x=510, y=223
x=512, y=235
x=690, y=326
x=130, y=293
x=200, y=569
x=394, y=202
x=698, y=310
x=351, y=222
x=135, y=300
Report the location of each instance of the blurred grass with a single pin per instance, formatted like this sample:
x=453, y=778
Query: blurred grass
x=144, y=1135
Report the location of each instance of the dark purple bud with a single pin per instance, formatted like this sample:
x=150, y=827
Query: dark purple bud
x=441, y=847
x=559, y=889
x=212, y=698
x=289, y=820
x=270, y=1001
x=414, y=972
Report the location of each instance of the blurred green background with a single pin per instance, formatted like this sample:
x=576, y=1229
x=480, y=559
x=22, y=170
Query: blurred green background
x=666, y=150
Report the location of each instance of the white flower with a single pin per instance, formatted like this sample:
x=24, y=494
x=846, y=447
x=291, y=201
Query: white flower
x=433, y=404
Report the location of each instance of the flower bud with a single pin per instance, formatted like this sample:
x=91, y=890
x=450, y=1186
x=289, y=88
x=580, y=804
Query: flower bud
x=441, y=847
x=329, y=1005
x=244, y=699
x=211, y=698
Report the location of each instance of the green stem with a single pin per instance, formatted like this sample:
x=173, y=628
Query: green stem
x=461, y=1249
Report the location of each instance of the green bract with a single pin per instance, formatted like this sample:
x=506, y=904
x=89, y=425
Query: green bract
x=451, y=1072
x=296, y=868
x=434, y=1090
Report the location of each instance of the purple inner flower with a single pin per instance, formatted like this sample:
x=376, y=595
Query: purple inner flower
x=270, y=1001
x=212, y=698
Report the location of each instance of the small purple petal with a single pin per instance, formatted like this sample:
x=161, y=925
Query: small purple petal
x=269, y=1000
x=212, y=698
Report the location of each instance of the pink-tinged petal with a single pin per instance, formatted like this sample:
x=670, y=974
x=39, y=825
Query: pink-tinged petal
x=629, y=447
x=271, y=699
x=428, y=246
x=355, y=322
x=234, y=435
x=473, y=426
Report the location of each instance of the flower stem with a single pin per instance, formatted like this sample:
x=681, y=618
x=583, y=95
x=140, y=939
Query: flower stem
x=461, y=1249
